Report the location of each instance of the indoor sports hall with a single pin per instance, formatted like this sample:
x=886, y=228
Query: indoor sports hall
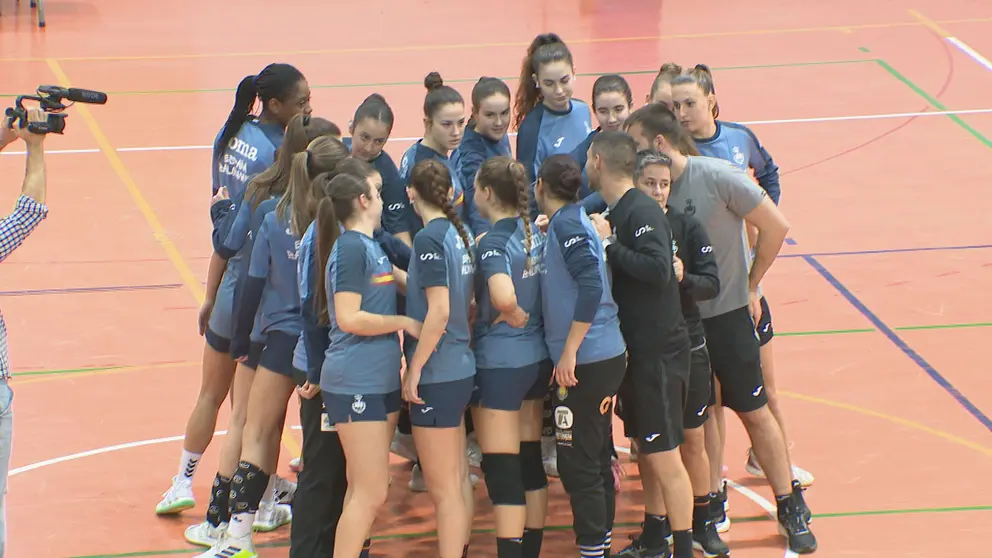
x=879, y=114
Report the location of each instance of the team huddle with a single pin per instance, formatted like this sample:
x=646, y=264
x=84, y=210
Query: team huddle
x=478, y=306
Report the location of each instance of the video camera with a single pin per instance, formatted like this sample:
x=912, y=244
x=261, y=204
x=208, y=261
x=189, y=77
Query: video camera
x=50, y=99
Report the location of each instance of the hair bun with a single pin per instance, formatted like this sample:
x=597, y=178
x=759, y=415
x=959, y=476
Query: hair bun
x=571, y=178
x=374, y=98
x=548, y=39
x=433, y=81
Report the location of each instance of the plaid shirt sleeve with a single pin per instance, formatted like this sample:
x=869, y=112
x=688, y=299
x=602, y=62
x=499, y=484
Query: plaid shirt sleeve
x=14, y=228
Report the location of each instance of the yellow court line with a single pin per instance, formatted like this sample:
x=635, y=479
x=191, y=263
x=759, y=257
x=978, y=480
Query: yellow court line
x=158, y=232
x=417, y=48
x=900, y=421
x=17, y=381
x=927, y=22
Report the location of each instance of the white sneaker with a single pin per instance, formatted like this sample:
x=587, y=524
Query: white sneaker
x=296, y=465
x=403, y=446
x=474, y=452
x=179, y=497
x=226, y=546
x=284, y=490
x=205, y=534
x=549, y=451
x=270, y=517
x=804, y=477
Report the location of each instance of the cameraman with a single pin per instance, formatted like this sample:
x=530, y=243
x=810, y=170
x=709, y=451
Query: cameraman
x=14, y=228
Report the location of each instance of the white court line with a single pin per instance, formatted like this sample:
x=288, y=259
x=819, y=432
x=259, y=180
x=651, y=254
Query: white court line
x=769, y=508
x=974, y=54
x=413, y=139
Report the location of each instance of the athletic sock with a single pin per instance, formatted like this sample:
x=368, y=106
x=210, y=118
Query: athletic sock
x=508, y=548
x=188, y=463
x=220, y=496
x=247, y=489
x=682, y=547
x=533, y=539
x=701, y=510
x=654, y=531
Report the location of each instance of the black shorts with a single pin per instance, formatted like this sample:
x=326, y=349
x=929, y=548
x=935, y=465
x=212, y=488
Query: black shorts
x=444, y=404
x=697, y=400
x=765, y=329
x=374, y=407
x=653, y=398
x=223, y=345
x=277, y=356
x=505, y=389
x=735, y=357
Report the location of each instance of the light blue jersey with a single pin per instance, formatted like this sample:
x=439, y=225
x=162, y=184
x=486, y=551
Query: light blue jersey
x=502, y=251
x=738, y=144
x=441, y=259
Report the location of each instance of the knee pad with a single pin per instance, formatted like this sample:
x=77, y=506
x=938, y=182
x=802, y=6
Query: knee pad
x=504, y=479
x=532, y=466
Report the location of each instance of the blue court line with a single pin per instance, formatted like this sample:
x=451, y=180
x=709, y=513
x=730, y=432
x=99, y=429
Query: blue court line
x=792, y=242
x=74, y=290
x=896, y=340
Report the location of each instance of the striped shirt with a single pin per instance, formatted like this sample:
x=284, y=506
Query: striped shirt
x=13, y=230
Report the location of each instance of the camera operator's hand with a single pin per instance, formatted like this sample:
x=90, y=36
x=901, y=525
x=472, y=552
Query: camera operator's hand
x=7, y=134
x=32, y=139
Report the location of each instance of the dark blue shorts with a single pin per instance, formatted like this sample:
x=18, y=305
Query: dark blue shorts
x=361, y=408
x=505, y=389
x=223, y=345
x=277, y=356
x=444, y=404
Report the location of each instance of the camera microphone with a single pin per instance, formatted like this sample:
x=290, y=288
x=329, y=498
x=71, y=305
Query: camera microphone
x=75, y=95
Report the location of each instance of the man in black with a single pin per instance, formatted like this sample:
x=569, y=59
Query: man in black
x=638, y=244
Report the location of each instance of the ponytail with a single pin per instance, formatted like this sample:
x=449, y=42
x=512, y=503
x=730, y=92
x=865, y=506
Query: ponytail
x=508, y=181
x=299, y=204
x=431, y=179
x=244, y=104
x=544, y=49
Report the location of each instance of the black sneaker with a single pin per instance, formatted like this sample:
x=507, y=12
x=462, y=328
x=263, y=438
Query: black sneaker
x=636, y=550
x=707, y=540
x=718, y=516
x=793, y=524
x=797, y=493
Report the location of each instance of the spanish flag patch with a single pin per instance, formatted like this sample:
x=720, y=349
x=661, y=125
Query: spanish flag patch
x=460, y=199
x=384, y=278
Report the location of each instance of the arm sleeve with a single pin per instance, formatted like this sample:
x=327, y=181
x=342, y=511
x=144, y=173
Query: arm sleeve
x=432, y=267
x=351, y=269
x=16, y=227
x=493, y=259
x=527, y=140
x=736, y=189
x=230, y=234
x=577, y=247
x=396, y=250
x=765, y=169
x=394, y=199
x=700, y=275
x=649, y=259
x=248, y=293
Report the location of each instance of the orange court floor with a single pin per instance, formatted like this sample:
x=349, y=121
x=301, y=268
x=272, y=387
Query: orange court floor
x=878, y=114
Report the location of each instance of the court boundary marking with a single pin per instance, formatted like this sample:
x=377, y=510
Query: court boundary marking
x=845, y=29
x=949, y=37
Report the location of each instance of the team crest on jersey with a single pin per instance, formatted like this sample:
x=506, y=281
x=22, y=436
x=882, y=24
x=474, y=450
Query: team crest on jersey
x=738, y=157
x=358, y=406
x=689, y=208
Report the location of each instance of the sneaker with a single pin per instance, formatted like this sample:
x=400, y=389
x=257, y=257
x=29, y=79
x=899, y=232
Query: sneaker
x=296, y=465
x=284, y=490
x=636, y=550
x=227, y=547
x=718, y=515
x=403, y=446
x=179, y=497
x=549, y=451
x=802, y=475
x=204, y=534
x=270, y=517
x=474, y=452
x=793, y=525
x=707, y=540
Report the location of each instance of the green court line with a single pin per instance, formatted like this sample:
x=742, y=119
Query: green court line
x=417, y=535
x=933, y=101
x=815, y=333
x=420, y=83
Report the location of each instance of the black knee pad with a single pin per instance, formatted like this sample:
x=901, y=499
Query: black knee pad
x=532, y=466
x=504, y=479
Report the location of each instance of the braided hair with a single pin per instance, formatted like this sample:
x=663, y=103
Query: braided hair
x=431, y=179
x=507, y=178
